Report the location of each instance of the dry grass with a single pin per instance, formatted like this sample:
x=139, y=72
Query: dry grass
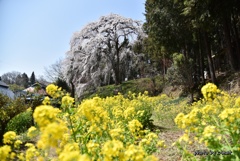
x=169, y=153
x=172, y=153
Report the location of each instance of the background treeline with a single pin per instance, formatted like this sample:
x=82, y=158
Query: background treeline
x=19, y=81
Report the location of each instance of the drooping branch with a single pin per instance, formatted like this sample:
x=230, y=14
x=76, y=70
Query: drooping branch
x=99, y=51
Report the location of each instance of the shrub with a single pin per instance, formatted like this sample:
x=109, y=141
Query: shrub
x=8, y=109
x=21, y=122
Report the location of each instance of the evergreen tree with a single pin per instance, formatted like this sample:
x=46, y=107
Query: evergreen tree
x=32, y=79
x=25, y=80
x=63, y=84
x=18, y=80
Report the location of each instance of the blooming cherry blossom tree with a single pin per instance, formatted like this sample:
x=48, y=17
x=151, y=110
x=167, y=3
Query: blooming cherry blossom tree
x=102, y=51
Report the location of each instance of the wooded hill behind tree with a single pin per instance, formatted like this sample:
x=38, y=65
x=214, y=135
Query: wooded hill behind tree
x=205, y=32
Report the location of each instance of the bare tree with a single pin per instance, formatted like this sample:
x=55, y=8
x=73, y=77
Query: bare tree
x=55, y=71
x=100, y=51
x=41, y=79
x=10, y=77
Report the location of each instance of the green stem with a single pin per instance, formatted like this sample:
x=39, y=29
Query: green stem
x=219, y=102
x=226, y=140
x=71, y=125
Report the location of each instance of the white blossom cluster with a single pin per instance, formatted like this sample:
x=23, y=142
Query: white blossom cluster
x=101, y=51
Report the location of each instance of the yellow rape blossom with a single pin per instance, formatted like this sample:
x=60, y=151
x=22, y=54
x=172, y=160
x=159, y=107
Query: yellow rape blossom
x=52, y=135
x=31, y=152
x=83, y=157
x=17, y=144
x=116, y=133
x=134, y=152
x=112, y=148
x=21, y=157
x=151, y=136
x=237, y=102
x=32, y=132
x=140, y=113
x=129, y=112
x=207, y=109
x=134, y=126
x=70, y=152
x=209, y=91
x=92, y=147
x=12, y=155
x=227, y=112
x=69, y=156
x=161, y=143
x=67, y=100
x=178, y=119
x=46, y=101
x=44, y=115
x=54, y=91
x=151, y=158
x=9, y=137
x=185, y=138
x=5, y=152
x=208, y=131
x=144, y=142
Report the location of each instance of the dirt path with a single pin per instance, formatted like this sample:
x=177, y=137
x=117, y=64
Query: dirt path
x=170, y=153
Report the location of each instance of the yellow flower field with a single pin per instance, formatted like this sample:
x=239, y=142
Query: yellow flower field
x=215, y=122
x=112, y=128
x=119, y=128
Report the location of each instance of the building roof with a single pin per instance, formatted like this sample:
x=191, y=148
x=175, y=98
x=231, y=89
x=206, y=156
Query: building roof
x=4, y=90
x=7, y=92
x=37, y=84
x=3, y=84
x=36, y=90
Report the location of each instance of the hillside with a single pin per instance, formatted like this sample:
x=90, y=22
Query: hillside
x=228, y=81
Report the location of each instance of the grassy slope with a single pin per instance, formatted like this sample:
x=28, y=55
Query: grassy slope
x=153, y=86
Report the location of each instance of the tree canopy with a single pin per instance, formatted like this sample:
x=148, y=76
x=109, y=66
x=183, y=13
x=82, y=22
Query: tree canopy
x=205, y=31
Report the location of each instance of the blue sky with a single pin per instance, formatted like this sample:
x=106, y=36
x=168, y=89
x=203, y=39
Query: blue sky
x=36, y=33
